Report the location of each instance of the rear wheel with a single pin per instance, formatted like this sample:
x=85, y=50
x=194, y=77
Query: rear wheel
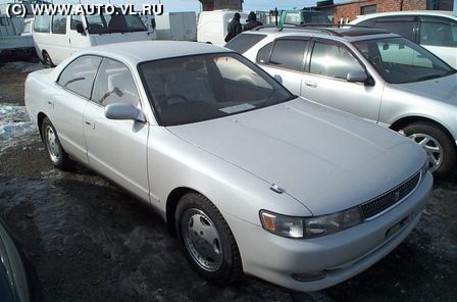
x=440, y=149
x=207, y=239
x=47, y=61
x=56, y=153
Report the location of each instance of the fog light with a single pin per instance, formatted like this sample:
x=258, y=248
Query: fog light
x=308, y=277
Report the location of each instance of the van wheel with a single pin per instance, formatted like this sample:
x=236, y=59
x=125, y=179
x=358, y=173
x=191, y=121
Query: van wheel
x=47, y=61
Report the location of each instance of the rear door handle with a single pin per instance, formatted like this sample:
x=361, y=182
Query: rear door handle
x=311, y=84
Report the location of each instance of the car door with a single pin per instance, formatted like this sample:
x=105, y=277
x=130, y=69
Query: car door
x=61, y=49
x=283, y=59
x=117, y=148
x=67, y=101
x=325, y=81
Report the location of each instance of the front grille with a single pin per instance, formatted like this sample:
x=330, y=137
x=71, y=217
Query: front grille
x=385, y=201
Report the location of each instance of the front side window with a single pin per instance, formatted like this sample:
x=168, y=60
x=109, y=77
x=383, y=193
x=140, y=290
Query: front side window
x=114, y=84
x=288, y=54
x=74, y=21
x=59, y=24
x=202, y=87
x=333, y=61
x=79, y=75
x=438, y=32
x=398, y=60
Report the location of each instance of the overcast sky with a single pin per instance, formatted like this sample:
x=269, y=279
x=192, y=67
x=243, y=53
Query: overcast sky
x=265, y=5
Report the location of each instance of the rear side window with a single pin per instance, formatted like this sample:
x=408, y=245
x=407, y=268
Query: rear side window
x=242, y=43
x=288, y=54
x=438, y=32
x=79, y=75
x=42, y=24
x=402, y=25
x=264, y=54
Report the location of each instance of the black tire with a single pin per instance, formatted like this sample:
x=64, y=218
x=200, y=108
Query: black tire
x=47, y=61
x=439, y=147
x=212, y=251
x=57, y=154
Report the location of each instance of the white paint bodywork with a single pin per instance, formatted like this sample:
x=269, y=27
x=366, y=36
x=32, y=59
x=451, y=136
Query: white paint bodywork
x=325, y=161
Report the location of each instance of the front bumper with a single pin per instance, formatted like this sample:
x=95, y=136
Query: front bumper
x=335, y=258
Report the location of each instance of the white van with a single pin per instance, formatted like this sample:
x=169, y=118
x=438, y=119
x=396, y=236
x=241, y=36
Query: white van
x=212, y=25
x=433, y=30
x=57, y=37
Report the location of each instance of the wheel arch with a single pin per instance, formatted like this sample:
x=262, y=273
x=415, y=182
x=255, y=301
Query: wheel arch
x=403, y=122
x=40, y=119
x=172, y=203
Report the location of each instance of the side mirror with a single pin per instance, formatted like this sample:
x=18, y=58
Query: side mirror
x=278, y=78
x=80, y=29
x=123, y=111
x=357, y=76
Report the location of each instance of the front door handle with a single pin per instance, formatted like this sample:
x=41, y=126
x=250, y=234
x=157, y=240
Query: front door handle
x=92, y=125
x=311, y=84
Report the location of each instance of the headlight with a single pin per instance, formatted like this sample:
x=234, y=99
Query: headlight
x=310, y=227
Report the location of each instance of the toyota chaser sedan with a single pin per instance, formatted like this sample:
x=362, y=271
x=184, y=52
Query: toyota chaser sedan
x=249, y=177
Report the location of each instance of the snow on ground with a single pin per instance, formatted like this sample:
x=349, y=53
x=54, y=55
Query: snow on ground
x=15, y=125
x=25, y=67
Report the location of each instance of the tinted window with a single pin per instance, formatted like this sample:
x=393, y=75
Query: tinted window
x=42, y=23
x=264, y=54
x=79, y=75
x=288, y=54
x=202, y=87
x=333, y=61
x=438, y=32
x=59, y=24
x=105, y=23
x=243, y=42
x=399, y=60
x=114, y=84
x=402, y=25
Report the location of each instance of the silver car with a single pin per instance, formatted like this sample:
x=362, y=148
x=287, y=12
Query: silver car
x=249, y=177
x=378, y=76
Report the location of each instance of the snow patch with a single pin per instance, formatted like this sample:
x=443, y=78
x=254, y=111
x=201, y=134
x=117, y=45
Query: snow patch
x=14, y=124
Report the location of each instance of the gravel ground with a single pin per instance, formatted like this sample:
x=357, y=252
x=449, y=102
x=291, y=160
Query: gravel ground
x=91, y=241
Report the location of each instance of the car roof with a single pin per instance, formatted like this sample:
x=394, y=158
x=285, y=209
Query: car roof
x=442, y=13
x=141, y=51
x=349, y=33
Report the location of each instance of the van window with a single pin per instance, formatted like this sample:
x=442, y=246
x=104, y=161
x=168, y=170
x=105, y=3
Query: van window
x=59, y=24
x=74, y=21
x=438, y=32
x=42, y=24
x=79, y=75
x=117, y=23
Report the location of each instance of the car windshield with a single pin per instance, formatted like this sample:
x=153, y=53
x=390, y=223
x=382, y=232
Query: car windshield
x=114, y=23
x=202, y=87
x=399, y=60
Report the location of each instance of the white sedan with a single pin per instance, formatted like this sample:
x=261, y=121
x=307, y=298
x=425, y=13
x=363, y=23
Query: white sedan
x=249, y=177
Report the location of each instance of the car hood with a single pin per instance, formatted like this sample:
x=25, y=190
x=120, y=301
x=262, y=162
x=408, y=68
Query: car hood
x=325, y=159
x=442, y=89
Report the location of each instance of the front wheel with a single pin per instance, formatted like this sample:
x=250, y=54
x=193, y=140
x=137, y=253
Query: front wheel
x=56, y=153
x=441, y=151
x=207, y=239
